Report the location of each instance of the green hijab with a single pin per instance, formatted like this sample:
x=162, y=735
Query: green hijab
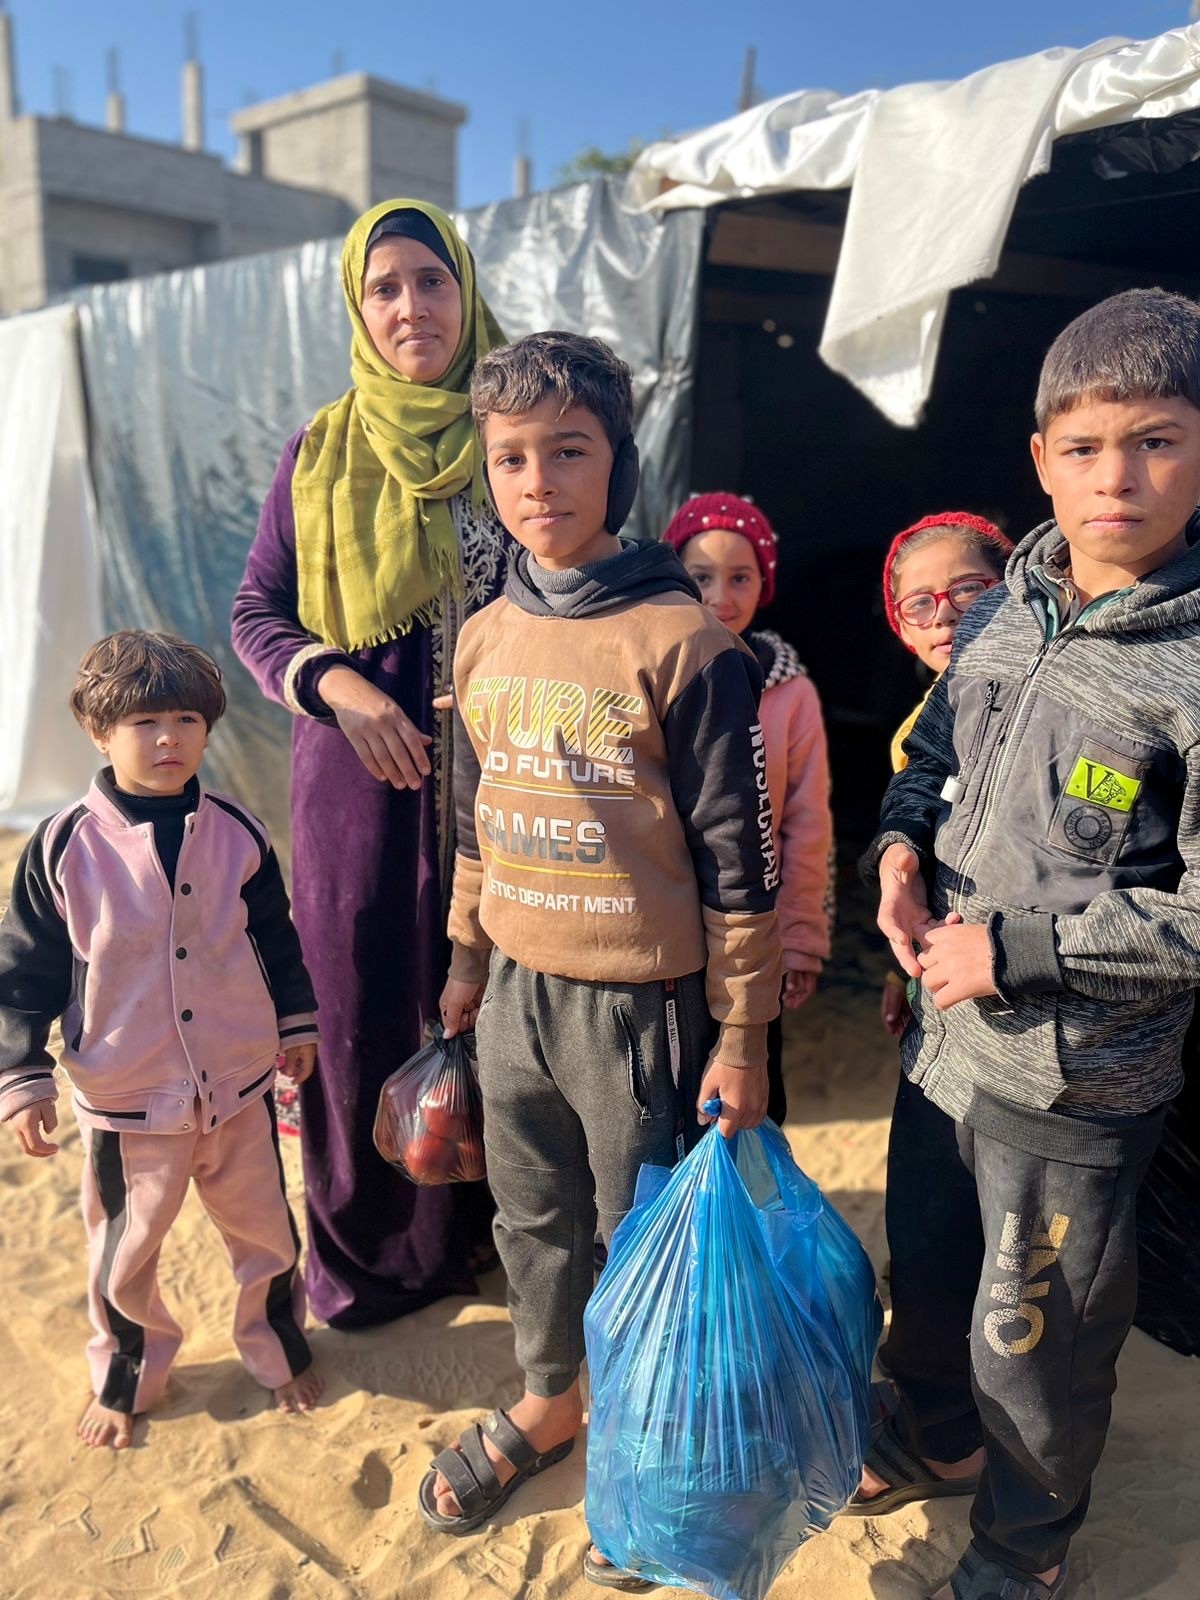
x=375, y=541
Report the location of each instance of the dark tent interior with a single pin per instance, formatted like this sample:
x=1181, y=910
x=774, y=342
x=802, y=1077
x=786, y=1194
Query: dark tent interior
x=1120, y=208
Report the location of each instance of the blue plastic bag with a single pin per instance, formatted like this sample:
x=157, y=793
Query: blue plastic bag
x=729, y=1346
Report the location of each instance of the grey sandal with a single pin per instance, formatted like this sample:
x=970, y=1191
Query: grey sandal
x=606, y=1577
x=976, y=1578
x=468, y=1470
x=907, y=1477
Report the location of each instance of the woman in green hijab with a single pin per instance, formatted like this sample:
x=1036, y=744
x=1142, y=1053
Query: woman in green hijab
x=374, y=544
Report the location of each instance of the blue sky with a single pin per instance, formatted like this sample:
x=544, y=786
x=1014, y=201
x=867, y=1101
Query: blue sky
x=578, y=72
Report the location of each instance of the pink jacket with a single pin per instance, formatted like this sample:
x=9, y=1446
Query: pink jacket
x=173, y=1001
x=798, y=781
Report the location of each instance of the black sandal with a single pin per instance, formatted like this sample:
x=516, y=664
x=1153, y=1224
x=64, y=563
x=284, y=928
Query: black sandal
x=468, y=1470
x=608, y=1577
x=907, y=1477
x=975, y=1578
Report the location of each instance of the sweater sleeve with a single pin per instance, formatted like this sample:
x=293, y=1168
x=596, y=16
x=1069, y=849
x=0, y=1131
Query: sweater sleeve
x=1128, y=944
x=806, y=834
x=269, y=923
x=471, y=946
x=285, y=660
x=36, y=966
x=717, y=760
x=913, y=800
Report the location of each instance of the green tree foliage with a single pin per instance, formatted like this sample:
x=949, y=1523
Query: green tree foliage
x=592, y=162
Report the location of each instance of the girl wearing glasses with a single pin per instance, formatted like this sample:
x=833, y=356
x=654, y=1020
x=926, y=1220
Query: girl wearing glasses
x=933, y=571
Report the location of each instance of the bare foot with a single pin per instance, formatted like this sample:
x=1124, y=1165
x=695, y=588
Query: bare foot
x=544, y=1422
x=869, y=1485
x=100, y=1425
x=300, y=1394
x=947, y=1593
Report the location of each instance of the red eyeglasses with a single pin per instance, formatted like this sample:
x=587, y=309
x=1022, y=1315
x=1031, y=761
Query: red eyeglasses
x=919, y=610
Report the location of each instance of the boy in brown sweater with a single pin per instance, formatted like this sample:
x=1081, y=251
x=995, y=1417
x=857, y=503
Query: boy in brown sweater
x=614, y=885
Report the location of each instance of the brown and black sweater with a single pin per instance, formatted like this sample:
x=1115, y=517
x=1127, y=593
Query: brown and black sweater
x=614, y=824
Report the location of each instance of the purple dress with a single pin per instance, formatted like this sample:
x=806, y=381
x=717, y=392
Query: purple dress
x=369, y=866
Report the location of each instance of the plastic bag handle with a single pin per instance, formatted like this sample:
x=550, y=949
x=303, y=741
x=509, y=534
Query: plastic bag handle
x=712, y=1108
x=462, y=1044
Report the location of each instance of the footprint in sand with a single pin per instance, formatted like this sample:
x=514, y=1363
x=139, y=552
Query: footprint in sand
x=173, y=1560
x=136, y=1541
x=70, y=1509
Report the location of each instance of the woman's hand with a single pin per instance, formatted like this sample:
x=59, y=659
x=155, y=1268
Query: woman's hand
x=390, y=746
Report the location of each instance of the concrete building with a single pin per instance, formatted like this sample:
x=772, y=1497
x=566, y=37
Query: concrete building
x=89, y=205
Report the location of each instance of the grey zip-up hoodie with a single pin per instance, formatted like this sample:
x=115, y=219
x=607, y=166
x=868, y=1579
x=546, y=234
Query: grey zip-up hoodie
x=1053, y=793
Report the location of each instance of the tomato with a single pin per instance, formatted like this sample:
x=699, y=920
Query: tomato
x=389, y=1133
x=429, y=1159
x=471, y=1165
x=445, y=1110
x=444, y=1122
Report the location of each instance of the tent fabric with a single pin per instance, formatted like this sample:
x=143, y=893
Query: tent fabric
x=49, y=574
x=196, y=379
x=577, y=259
x=934, y=171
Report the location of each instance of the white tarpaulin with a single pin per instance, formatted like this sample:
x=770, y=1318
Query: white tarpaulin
x=934, y=170
x=49, y=575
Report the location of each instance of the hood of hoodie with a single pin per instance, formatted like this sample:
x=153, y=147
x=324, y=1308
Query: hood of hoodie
x=641, y=570
x=1166, y=598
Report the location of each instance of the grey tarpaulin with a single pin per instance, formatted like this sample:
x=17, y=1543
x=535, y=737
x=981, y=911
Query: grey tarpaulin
x=195, y=380
x=574, y=258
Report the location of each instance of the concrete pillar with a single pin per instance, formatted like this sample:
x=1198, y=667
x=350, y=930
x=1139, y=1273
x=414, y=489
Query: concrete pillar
x=8, y=70
x=522, y=177
x=114, y=111
x=193, y=105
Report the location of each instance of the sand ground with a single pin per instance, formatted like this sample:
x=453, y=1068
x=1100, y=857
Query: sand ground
x=222, y=1499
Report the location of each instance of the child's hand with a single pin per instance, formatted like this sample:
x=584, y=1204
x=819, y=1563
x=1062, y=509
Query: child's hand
x=893, y=1005
x=297, y=1062
x=903, y=906
x=798, y=989
x=459, y=1005
x=956, y=963
x=742, y=1092
x=28, y=1125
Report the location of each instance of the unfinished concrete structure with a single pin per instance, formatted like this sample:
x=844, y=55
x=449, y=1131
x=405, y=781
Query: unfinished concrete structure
x=91, y=205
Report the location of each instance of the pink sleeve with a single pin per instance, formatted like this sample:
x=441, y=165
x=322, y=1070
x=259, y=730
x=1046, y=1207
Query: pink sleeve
x=806, y=833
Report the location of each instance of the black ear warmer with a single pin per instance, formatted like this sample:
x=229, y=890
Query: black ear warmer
x=622, y=484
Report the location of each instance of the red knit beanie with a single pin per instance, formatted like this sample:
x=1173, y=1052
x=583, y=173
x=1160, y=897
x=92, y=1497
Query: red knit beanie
x=709, y=513
x=944, y=519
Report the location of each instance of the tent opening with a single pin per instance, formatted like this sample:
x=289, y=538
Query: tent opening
x=1117, y=210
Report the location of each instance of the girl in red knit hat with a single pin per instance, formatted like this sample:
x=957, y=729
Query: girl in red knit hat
x=729, y=549
x=932, y=573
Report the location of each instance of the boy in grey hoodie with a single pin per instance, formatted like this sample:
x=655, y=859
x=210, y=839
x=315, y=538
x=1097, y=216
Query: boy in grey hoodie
x=1039, y=868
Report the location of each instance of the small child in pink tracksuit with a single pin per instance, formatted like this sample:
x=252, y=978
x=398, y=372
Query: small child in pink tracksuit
x=152, y=919
x=730, y=552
